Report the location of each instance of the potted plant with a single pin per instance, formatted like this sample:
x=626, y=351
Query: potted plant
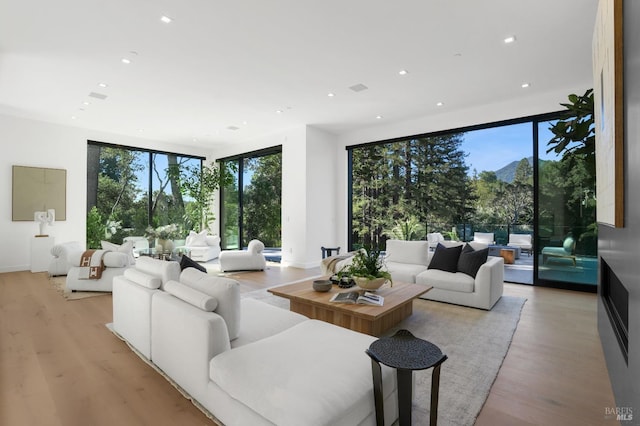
x=367, y=270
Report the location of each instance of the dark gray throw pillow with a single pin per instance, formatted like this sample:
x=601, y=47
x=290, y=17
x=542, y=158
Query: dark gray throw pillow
x=187, y=262
x=445, y=258
x=471, y=260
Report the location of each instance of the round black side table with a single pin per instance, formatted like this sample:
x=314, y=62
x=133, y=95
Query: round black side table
x=405, y=352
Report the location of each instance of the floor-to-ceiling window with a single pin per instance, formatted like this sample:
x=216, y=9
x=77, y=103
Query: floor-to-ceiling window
x=251, y=204
x=130, y=189
x=476, y=179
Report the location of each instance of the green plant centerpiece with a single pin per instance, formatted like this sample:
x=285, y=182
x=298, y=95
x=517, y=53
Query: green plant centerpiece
x=367, y=270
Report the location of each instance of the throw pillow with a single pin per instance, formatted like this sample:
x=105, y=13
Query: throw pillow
x=471, y=260
x=197, y=239
x=187, y=262
x=445, y=258
x=192, y=296
x=126, y=248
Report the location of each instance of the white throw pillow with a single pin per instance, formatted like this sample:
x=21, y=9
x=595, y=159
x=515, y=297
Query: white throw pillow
x=191, y=296
x=140, y=278
x=197, y=239
x=126, y=248
x=114, y=259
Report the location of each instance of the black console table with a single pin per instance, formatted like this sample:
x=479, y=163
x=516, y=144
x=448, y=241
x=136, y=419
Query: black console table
x=405, y=352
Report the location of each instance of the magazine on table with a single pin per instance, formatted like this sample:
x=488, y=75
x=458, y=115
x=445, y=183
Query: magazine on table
x=355, y=297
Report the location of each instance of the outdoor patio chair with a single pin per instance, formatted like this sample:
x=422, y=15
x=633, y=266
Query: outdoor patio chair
x=484, y=238
x=521, y=240
x=567, y=251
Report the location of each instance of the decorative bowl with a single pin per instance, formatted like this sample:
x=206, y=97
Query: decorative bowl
x=322, y=285
x=368, y=284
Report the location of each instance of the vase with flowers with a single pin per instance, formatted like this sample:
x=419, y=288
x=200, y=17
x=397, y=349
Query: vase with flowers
x=164, y=236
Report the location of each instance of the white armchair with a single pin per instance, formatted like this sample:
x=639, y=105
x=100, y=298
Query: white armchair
x=62, y=257
x=240, y=260
x=521, y=240
x=484, y=238
x=202, y=247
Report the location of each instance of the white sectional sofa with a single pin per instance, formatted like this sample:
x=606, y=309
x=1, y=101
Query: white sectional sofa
x=408, y=261
x=247, y=362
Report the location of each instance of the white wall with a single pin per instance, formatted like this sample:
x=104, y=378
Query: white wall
x=308, y=191
x=39, y=144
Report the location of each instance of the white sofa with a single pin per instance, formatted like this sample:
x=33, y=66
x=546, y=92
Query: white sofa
x=250, y=259
x=202, y=247
x=408, y=261
x=66, y=261
x=247, y=362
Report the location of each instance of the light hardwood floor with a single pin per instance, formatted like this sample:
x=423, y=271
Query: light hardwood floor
x=59, y=365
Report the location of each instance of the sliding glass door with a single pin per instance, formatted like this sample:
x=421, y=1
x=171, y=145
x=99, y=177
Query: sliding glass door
x=566, y=228
x=251, y=204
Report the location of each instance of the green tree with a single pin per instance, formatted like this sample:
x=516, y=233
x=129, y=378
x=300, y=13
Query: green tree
x=514, y=201
x=262, y=201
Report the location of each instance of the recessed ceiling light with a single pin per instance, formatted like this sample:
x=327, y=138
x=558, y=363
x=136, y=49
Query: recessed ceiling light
x=166, y=19
x=73, y=117
x=331, y=95
x=245, y=122
x=126, y=61
x=439, y=104
x=278, y=111
x=86, y=103
x=510, y=39
x=195, y=139
x=403, y=72
x=141, y=130
x=358, y=87
x=103, y=85
x=525, y=85
x=97, y=96
x=378, y=117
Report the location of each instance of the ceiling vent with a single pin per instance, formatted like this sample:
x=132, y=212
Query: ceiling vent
x=98, y=96
x=233, y=128
x=358, y=87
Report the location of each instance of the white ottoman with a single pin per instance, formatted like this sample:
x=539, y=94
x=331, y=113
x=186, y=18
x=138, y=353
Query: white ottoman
x=240, y=260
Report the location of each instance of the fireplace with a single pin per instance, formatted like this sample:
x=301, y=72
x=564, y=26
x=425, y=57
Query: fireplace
x=616, y=302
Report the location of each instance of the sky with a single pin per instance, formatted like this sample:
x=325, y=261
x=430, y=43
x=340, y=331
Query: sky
x=493, y=148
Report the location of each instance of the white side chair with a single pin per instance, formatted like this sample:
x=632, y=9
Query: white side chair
x=434, y=238
x=202, y=247
x=251, y=259
x=521, y=240
x=484, y=238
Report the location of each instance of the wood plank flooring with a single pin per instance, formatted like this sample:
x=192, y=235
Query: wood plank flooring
x=59, y=365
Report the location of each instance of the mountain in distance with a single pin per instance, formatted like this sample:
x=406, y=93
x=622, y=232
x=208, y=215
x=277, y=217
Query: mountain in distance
x=508, y=172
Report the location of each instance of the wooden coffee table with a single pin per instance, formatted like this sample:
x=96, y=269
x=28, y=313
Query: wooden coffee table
x=373, y=320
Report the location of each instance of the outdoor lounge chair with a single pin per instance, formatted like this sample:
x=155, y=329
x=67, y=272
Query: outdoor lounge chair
x=567, y=251
x=484, y=238
x=521, y=240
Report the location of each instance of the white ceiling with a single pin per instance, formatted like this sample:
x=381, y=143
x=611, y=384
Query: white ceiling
x=235, y=63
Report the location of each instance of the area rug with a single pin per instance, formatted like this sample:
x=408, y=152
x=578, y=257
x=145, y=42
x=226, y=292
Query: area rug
x=59, y=283
x=475, y=342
